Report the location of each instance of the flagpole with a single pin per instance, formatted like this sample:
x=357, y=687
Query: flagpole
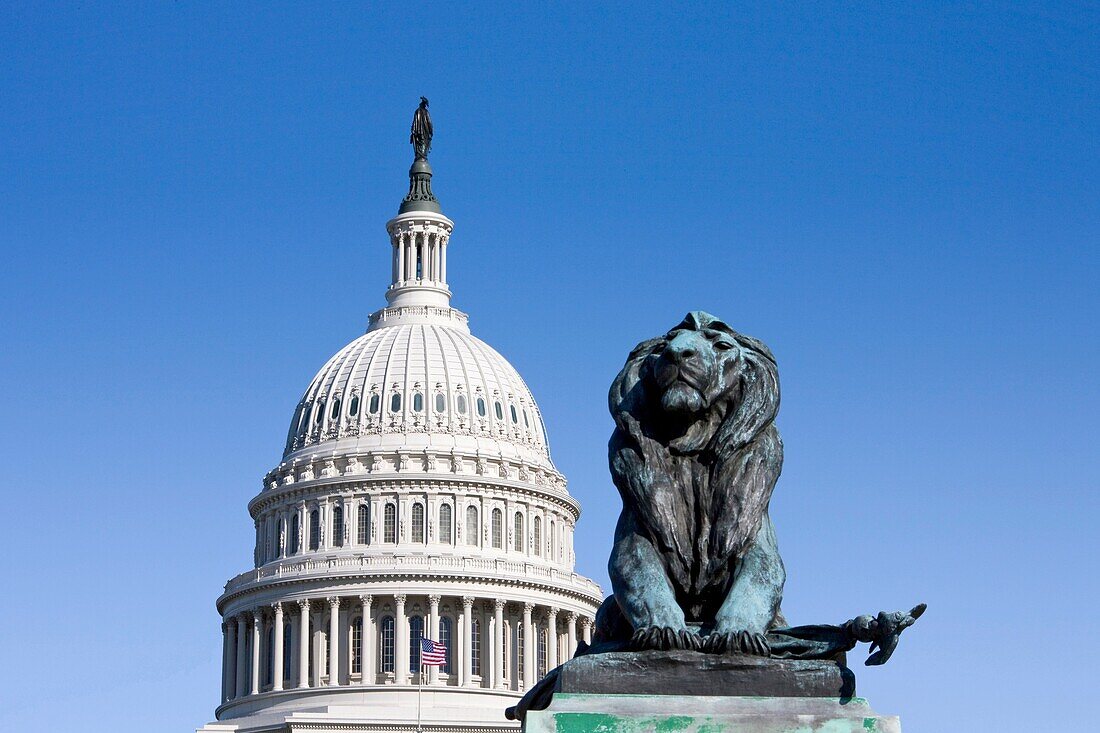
x=419, y=688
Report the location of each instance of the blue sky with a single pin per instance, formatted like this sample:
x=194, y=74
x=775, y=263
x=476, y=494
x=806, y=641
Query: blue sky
x=902, y=201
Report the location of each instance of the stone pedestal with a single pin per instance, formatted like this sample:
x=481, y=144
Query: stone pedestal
x=690, y=692
x=577, y=713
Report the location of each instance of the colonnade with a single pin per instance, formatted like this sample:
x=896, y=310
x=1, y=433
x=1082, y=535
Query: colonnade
x=427, y=249
x=371, y=640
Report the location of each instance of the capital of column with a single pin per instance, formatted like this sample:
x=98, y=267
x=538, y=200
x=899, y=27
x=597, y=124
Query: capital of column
x=303, y=605
x=333, y=602
x=499, y=604
x=467, y=603
x=434, y=600
x=571, y=617
x=527, y=608
x=366, y=600
x=399, y=598
x=257, y=616
x=277, y=607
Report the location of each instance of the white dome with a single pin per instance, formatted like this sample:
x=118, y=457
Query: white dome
x=419, y=386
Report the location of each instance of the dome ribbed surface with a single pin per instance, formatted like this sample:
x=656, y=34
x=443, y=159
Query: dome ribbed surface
x=388, y=385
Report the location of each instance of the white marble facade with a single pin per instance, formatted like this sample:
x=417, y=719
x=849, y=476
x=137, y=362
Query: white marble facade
x=416, y=495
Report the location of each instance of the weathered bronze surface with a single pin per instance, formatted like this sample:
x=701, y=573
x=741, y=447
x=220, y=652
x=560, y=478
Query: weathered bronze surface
x=695, y=564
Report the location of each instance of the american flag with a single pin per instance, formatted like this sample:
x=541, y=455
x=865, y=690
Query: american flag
x=432, y=653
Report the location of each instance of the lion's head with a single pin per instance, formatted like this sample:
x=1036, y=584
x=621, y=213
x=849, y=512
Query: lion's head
x=702, y=386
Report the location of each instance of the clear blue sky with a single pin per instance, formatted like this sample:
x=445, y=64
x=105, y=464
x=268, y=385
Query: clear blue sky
x=904, y=202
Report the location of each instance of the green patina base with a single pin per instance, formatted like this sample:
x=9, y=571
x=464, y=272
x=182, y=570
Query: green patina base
x=572, y=713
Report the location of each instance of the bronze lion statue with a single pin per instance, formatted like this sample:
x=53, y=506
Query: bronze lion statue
x=694, y=565
x=695, y=456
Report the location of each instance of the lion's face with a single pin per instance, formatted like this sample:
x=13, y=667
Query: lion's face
x=699, y=378
x=692, y=367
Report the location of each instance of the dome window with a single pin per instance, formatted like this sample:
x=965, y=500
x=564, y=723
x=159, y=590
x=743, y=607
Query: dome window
x=515, y=418
x=536, y=538
x=473, y=529
x=418, y=523
x=498, y=529
x=518, y=538
x=445, y=524
x=481, y=406
x=320, y=413
x=353, y=406
x=374, y=404
x=498, y=410
x=526, y=422
x=460, y=403
x=335, y=411
x=389, y=524
x=314, y=529
x=386, y=660
x=418, y=402
x=440, y=403
x=395, y=402
x=338, y=526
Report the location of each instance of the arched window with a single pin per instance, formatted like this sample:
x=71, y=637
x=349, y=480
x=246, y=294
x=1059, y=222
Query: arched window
x=269, y=658
x=320, y=413
x=473, y=529
x=314, y=529
x=416, y=633
x=445, y=524
x=498, y=529
x=520, y=642
x=374, y=403
x=445, y=629
x=481, y=406
x=295, y=532
x=518, y=532
x=395, y=402
x=515, y=418
x=288, y=650
x=460, y=403
x=338, y=526
x=526, y=422
x=537, y=535
x=362, y=529
x=418, y=402
x=389, y=523
x=385, y=659
x=540, y=650
x=440, y=403
x=335, y=411
x=353, y=406
x=475, y=646
x=303, y=419
x=553, y=540
x=498, y=410
x=356, y=645
x=418, y=522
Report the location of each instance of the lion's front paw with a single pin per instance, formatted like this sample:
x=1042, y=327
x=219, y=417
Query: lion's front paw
x=664, y=638
x=745, y=642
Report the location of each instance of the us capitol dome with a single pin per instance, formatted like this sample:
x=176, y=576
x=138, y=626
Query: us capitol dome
x=416, y=497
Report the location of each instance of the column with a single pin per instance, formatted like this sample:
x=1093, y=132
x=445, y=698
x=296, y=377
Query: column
x=528, y=648
x=229, y=632
x=498, y=643
x=467, y=641
x=257, y=624
x=432, y=632
x=334, y=641
x=410, y=257
x=571, y=635
x=551, y=639
x=242, y=658
x=400, y=641
x=435, y=258
x=277, y=651
x=303, y=643
x=395, y=259
x=586, y=626
x=367, y=634
x=443, y=259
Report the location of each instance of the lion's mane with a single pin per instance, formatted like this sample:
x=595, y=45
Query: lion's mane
x=700, y=496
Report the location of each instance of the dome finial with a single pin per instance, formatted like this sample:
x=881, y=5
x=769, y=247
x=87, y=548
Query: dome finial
x=420, y=196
